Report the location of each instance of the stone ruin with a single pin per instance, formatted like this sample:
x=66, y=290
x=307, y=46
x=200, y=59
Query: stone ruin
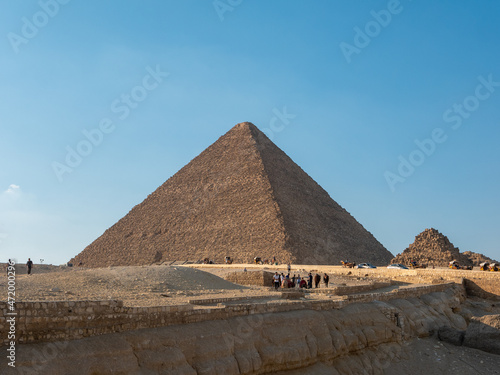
x=432, y=248
x=478, y=258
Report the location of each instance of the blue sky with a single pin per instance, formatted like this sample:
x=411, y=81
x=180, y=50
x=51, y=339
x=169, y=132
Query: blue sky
x=362, y=84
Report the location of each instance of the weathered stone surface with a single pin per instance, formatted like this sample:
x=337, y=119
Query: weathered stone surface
x=484, y=333
x=478, y=258
x=241, y=197
x=451, y=336
x=292, y=294
x=372, y=333
x=259, y=277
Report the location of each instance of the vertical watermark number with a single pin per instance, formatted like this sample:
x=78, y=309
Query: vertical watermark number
x=11, y=314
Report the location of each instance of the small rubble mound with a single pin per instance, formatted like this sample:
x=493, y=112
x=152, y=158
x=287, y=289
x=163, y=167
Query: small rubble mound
x=134, y=285
x=432, y=248
x=478, y=258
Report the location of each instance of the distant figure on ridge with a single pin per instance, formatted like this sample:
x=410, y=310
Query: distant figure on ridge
x=29, y=265
x=289, y=267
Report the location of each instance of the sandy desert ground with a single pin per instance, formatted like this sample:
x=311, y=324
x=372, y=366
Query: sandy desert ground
x=167, y=285
x=141, y=285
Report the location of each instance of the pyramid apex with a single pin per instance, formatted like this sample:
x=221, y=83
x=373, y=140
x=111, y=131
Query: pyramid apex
x=245, y=124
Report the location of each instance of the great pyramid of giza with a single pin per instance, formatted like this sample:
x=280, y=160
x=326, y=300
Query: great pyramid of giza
x=241, y=197
x=432, y=248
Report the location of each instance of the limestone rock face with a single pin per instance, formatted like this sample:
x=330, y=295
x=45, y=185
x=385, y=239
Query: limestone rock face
x=452, y=336
x=484, y=333
x=433, y=249
x=255, y=344
x=241, y=197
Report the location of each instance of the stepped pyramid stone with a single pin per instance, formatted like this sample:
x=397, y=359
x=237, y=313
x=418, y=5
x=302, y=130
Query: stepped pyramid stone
x=477, y=258
x=241, y=197
x=434, y=249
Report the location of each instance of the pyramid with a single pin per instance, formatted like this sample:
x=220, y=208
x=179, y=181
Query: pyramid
x=478, y=258
x=241, y=197
x=432, y=248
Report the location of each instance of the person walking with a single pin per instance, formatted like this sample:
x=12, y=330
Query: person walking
x=326, y=279
x=29, y=265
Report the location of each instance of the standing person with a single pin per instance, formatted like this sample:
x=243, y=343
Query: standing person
x=310, y=281
x=326, y=279
x=289, y=267
x=298, y=280
x=285, y=282
x=276, y=279
x=317, y=280
x=29, y=265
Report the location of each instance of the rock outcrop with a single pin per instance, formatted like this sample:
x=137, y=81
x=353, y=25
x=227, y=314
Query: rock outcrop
x=372, y=333
x=432, y=248
x=241, y=197
x=483, y=333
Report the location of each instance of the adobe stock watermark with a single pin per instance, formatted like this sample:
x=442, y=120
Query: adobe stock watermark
x=223, y=6
x=363, y=36
x=42, y=355
x=455, y=115
x=11, y=313
x=278, y=122
x=245, y=329
x=121, y=107
x=31, y=25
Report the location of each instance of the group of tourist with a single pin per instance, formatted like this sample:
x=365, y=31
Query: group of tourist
x=285, y=281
